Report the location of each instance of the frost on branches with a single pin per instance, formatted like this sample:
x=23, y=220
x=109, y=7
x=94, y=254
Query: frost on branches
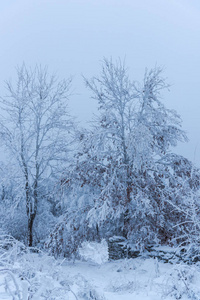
x=36, y=131
x=131, y=182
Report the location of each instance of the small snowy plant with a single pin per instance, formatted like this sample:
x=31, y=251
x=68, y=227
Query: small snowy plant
x=181, y=282
x=26, y=275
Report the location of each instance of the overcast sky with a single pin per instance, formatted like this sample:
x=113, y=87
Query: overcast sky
x=72, y=36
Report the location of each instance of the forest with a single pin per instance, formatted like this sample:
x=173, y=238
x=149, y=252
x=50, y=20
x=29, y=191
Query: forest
x=119, y=178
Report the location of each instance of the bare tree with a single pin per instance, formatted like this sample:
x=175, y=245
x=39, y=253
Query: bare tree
x=35, y=128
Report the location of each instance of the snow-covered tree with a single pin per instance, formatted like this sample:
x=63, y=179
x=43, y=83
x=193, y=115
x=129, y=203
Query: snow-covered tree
x=124, y=178
x=130, y=135
x=35, y=129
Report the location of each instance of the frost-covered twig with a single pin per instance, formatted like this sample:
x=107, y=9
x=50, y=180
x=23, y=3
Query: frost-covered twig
x=7, y=287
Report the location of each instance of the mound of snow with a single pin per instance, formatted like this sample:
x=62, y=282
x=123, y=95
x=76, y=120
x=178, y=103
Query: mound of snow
x=94, y=252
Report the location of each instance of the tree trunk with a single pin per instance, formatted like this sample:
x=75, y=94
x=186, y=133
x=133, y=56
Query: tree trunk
x=30, y=229
x=127, y=203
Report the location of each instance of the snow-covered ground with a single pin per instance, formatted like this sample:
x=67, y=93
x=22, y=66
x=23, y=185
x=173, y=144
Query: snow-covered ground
x=25, y=275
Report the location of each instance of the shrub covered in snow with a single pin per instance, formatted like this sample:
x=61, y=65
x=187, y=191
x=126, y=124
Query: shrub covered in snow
x=182, y=282
x=27, y=275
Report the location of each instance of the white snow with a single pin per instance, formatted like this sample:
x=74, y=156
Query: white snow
x=25, y=275
x=94, y=252
x=38, y=276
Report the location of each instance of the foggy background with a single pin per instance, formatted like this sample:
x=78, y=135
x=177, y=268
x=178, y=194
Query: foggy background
x=71, y=37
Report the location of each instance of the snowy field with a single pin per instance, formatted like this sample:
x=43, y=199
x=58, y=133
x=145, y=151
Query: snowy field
x=25, y=275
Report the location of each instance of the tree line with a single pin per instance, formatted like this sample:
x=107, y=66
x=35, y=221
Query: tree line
x=62, y=185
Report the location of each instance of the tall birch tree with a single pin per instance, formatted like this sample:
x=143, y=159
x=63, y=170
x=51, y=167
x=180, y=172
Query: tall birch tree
x=35, y=128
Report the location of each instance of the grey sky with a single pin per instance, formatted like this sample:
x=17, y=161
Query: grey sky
x=72, y=37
